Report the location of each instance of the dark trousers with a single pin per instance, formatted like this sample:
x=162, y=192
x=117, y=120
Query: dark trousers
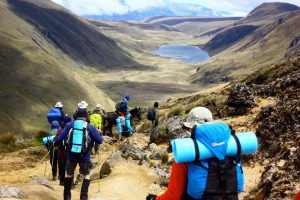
x=53, y=161
x=154, y=123
x=62, y=170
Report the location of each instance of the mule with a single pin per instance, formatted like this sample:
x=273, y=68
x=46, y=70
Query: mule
x=110, y=120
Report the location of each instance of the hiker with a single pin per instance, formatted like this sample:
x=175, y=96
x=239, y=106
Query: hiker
x=53, y=149
x=81, y=105
x=60, y=106
x=200, y=179
x=99, y=110
x=62, y=151
x=96, y=119
x=123, y=120
x=81, y=136
x=56, y=113
x=121, y=106
x=153, y=115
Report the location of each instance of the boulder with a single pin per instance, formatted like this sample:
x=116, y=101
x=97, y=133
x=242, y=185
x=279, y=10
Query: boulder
x=152, y=147
x=169, y=129
x=105, y=169
x=129, y=150
x=240, y=100
x=157, y=155
x=11, y=192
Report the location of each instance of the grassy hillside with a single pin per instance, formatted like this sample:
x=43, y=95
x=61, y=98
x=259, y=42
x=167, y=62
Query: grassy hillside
x=245, y=46
x=35, y=74
x=74, y=36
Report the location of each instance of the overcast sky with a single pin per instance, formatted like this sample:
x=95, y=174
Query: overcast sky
x=109, y=7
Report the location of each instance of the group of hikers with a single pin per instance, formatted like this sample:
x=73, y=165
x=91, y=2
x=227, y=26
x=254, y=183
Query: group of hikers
x=216, y=178
x=71, y=141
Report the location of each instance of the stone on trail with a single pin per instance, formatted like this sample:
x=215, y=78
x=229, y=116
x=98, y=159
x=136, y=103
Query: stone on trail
x=11, y=192
x=41, y=181
x=152, y=147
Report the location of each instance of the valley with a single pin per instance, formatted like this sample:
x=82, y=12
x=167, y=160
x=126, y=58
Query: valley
x=247, y=75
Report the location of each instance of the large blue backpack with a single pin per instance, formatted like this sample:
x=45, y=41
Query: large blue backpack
x=217, y=178
x=54, y=115
x=78, y=139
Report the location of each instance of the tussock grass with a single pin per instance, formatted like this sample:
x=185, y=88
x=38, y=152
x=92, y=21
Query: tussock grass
x=40, y=135
x=176, y=111
x=144, y=127
x=8, y=139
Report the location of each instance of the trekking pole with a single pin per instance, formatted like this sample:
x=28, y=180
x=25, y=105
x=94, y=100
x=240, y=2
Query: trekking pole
x=30, y=174
x=99, y=170
x=45, y=168
x=52, y=162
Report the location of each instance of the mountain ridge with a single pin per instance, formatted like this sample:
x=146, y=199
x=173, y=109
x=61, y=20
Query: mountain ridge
x=175, y=9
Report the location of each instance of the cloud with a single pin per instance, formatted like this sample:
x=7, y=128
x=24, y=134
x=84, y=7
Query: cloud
x=109, y=7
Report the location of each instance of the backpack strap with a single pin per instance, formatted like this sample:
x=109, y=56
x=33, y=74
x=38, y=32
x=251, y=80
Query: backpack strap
x=70, y=139
x=84, y=138
x=239, y=147
x=193, y=134
x=197, y=154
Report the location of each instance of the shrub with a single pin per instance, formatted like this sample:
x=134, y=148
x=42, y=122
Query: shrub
x=40, y=135
x=175, y=111
x=163, y=131
x=143, y=127
x=164, y=158
x=8, y=139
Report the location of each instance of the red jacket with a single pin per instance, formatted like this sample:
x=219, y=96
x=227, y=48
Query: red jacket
x=177, y=182
x=297, y=196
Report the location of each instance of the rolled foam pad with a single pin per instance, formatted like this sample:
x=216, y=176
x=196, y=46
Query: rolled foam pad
x=49, y=139
x=184, y=149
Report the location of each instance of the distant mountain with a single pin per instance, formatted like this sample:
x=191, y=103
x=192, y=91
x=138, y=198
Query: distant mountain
x=176, y=9
x=267, y=35
x=263, y=15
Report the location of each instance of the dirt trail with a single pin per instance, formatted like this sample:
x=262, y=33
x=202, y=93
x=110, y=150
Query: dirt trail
x=127, y=181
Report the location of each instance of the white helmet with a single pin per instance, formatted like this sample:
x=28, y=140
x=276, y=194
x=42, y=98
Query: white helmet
x=59, y=105
x=83, y=105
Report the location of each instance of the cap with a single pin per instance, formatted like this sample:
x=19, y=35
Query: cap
x=198, y=115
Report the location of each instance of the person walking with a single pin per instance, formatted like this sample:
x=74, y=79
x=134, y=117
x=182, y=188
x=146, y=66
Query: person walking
x=55, y=126
x=96, y=119
x=62, y=151
x=207, y=179
x=81, y=136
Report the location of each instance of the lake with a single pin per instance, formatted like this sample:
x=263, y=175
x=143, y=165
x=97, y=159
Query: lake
x=182, y=53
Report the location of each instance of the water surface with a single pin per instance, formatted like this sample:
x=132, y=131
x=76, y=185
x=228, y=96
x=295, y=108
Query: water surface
x=182, y=53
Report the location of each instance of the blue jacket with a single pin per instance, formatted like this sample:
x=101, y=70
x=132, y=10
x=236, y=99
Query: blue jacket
x=94, y=135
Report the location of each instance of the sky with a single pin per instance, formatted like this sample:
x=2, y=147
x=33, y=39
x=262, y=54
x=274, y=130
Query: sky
x=109, y=7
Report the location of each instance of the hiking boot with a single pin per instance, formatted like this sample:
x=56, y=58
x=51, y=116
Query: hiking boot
x=62, y=183
x=67, y=189
x=85, y=189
